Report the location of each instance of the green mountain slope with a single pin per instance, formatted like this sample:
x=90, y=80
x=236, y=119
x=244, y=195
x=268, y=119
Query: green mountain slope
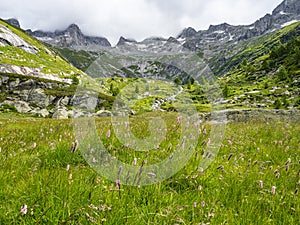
x=266, y=73
x=80, y=59
x=23, y=54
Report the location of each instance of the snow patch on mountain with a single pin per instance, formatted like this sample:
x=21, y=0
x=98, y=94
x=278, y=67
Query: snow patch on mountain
x=219, y=32
x=289, y=23
x=282, y=13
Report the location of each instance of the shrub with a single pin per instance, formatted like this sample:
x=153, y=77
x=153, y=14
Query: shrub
x=8, y=108
x=277, y=104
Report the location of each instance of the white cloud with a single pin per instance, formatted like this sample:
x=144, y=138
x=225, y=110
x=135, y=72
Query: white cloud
x=134, y=18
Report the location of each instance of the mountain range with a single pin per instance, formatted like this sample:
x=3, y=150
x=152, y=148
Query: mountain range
x=284, y=14
x=257, y=65
x=217, y=44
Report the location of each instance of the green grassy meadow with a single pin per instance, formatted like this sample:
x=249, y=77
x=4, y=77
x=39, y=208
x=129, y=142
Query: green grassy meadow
x=59, y=187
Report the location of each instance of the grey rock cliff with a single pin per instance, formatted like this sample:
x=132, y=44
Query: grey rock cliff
x=28, y=95
x=123, y=41
x=71, y=37
x=187, y=33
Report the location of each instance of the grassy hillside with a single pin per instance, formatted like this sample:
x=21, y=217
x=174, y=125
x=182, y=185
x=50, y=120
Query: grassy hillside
x=235, y=53
x=48, y=61
x=266, y=73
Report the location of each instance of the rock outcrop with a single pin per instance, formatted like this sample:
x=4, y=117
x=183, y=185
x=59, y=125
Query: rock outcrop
x=38, y=97
x=8, y=38
x=29, y=95
x=61, y=113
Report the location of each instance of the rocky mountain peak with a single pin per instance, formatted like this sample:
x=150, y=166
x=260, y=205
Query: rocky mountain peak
x=222, y=26
x=124, y=40
x=71, y=37
x=74, y=28
x=173, y=40
x=13, y=22
x=187, y=33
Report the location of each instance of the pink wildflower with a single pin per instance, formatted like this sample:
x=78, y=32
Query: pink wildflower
x=195, y=204
x=178, y=120
x=108, y=134
x=208, y=141
x=94, y=160
x=23, y=210
x=201, y=170
x=261, y=184
x=134, y=161
x=273, y=190
x=203, y=203
x=118, y=184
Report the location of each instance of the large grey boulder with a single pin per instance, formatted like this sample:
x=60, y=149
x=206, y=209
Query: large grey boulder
x=40, y=112
x=4, y=80
x=14, y=84
x=103, y=113
x=65, y=101
x=27, y=85
x=85, y=102
x=61, y=113
x=21, y=106
x=39, y=98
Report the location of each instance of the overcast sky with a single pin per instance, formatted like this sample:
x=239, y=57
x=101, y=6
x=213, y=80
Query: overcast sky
x=136, y=19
